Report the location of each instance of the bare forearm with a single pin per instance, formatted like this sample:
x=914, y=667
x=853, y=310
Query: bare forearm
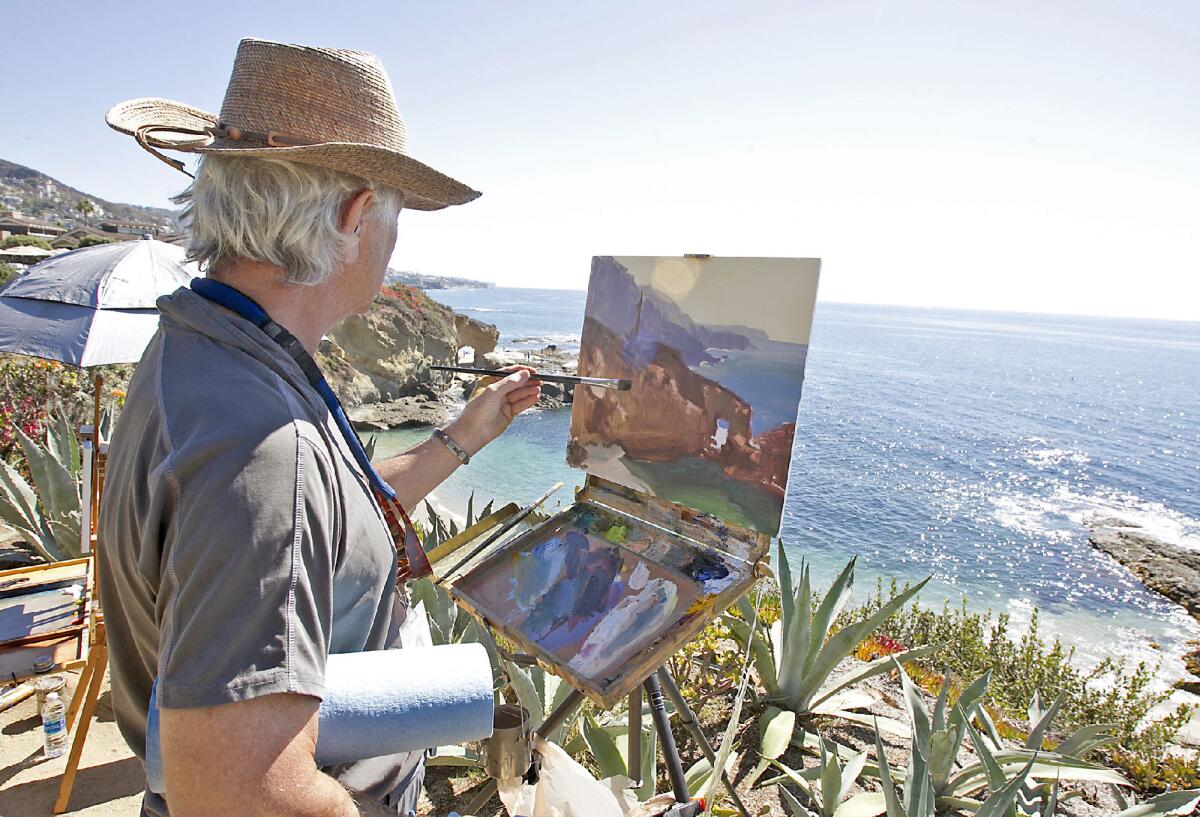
x=419, y=470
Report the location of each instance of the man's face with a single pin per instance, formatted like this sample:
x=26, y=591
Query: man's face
x=376, y=242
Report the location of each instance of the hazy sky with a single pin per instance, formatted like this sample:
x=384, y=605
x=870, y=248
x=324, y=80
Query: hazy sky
x=1038, y=156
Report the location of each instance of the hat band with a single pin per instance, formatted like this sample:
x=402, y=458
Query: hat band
x=206, y=136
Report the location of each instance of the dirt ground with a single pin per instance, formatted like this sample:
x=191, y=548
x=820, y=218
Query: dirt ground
x=110, y=779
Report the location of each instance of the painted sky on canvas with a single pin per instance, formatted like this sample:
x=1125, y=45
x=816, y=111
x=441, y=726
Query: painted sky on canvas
x=710, y=291
x=1024, y=156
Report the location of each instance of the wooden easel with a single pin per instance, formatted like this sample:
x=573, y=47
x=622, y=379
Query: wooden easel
x=92, y=678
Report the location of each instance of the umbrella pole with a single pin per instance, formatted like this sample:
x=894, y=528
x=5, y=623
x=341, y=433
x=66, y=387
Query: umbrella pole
x=98, y=384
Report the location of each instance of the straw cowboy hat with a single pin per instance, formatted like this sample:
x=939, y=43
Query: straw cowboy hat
x=318, y=106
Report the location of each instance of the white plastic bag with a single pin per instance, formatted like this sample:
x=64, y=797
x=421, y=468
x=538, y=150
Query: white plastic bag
x=566, y=789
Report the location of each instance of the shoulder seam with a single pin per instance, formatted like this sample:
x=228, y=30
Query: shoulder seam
x=298, y=514
x=166, y=638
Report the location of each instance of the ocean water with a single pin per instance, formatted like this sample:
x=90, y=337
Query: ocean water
x=969, y=445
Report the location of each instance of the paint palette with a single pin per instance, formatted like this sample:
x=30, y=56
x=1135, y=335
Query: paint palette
x=604, y=592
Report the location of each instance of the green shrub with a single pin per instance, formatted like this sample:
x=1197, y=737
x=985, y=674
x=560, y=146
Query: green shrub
x=1024, y=663
x=26, y=241
x=7, y=273
x=92, y=241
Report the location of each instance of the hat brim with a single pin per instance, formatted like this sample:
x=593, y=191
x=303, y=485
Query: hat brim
x=424, y=188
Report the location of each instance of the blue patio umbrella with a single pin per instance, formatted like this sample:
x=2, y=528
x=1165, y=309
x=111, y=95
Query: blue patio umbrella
x=93, y=306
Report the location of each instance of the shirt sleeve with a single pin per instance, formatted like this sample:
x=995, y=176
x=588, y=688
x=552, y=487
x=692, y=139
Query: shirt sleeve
x=246, y=595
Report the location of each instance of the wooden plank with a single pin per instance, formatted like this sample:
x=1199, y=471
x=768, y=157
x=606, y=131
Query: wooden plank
x=481, y=526
x=80, y=738
x=24, y=579
x=17, y=662
x=40, y=612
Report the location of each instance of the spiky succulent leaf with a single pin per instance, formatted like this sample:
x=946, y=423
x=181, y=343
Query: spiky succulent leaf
x=842, y=644
x=829, y=608
x=1042, y=724
x=939, y=708
x=792, y=661
x=1171, y=803
x=1000, y=802
x=869, y=670
x=831, y=780
x=603, y=748
x=891, y=802
x=776, y=727
x=747, y=636
x=794, y=806
x=1086, y=739
x=787, y=590
x=851, y=772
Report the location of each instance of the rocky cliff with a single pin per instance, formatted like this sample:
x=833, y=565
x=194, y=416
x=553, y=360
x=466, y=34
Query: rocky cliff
x=385, y=354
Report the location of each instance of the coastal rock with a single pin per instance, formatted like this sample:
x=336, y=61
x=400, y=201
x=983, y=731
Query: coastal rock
x=405, y=412
x=480, y=336
x=385, y=353
x=1166, y=568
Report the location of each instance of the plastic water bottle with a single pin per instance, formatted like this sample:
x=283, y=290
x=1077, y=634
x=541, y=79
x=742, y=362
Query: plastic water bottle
x=54, y=722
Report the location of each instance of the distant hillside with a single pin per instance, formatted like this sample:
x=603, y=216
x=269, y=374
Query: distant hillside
x=423, y=281
x=35, y=194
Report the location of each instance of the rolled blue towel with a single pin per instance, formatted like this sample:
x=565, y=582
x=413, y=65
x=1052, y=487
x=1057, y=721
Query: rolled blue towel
x=386, y=702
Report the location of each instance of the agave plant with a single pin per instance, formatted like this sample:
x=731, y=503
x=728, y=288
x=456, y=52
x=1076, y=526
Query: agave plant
x=49, y=512
x=934, y=782
x=918, y=798
x=801, y=650
x=828, y=786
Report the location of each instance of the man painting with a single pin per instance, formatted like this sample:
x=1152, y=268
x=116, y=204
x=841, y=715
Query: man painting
x=243, y=540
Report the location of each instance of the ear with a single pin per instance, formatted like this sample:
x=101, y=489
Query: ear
x=354, y=209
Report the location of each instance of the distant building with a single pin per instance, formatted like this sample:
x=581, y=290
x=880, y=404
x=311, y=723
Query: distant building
x=135, y=229
x=70, y=239
x=22, y=225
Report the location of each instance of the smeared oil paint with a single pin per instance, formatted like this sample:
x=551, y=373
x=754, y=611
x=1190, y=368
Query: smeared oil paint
x=594, y=588
x=616, y=534
x=609, y=640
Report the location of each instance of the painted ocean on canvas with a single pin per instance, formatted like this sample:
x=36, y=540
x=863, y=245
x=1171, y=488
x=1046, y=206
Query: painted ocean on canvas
x=715, y=349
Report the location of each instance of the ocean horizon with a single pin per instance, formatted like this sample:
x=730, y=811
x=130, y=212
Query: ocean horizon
x=969, y=444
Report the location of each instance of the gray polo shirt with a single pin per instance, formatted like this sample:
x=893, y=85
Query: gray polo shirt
x=239, y=541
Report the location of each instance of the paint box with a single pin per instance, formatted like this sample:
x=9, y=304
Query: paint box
x=605, y=591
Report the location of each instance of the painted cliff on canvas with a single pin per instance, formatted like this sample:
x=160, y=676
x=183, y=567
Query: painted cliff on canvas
x=715, y=349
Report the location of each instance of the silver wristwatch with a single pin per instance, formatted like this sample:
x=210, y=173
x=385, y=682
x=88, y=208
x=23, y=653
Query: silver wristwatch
x=455, y=449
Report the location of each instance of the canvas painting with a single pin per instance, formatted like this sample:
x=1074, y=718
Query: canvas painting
x=715, y=349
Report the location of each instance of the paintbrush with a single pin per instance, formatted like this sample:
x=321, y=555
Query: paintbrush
x=508, y=525
x=569, y=379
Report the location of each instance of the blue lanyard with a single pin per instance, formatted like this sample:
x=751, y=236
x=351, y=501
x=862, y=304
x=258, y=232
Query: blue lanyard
x=238, y=303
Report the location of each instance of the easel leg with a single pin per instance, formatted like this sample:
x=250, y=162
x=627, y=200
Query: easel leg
x=560, y=713
x=688, y=719
x=81, y=688
x=662, y=722
x=89, y=709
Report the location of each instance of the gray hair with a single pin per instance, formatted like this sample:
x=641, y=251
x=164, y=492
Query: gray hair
x=276, y=212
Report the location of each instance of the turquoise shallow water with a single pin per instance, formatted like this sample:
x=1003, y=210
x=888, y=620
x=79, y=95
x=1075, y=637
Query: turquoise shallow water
x=968, y=444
